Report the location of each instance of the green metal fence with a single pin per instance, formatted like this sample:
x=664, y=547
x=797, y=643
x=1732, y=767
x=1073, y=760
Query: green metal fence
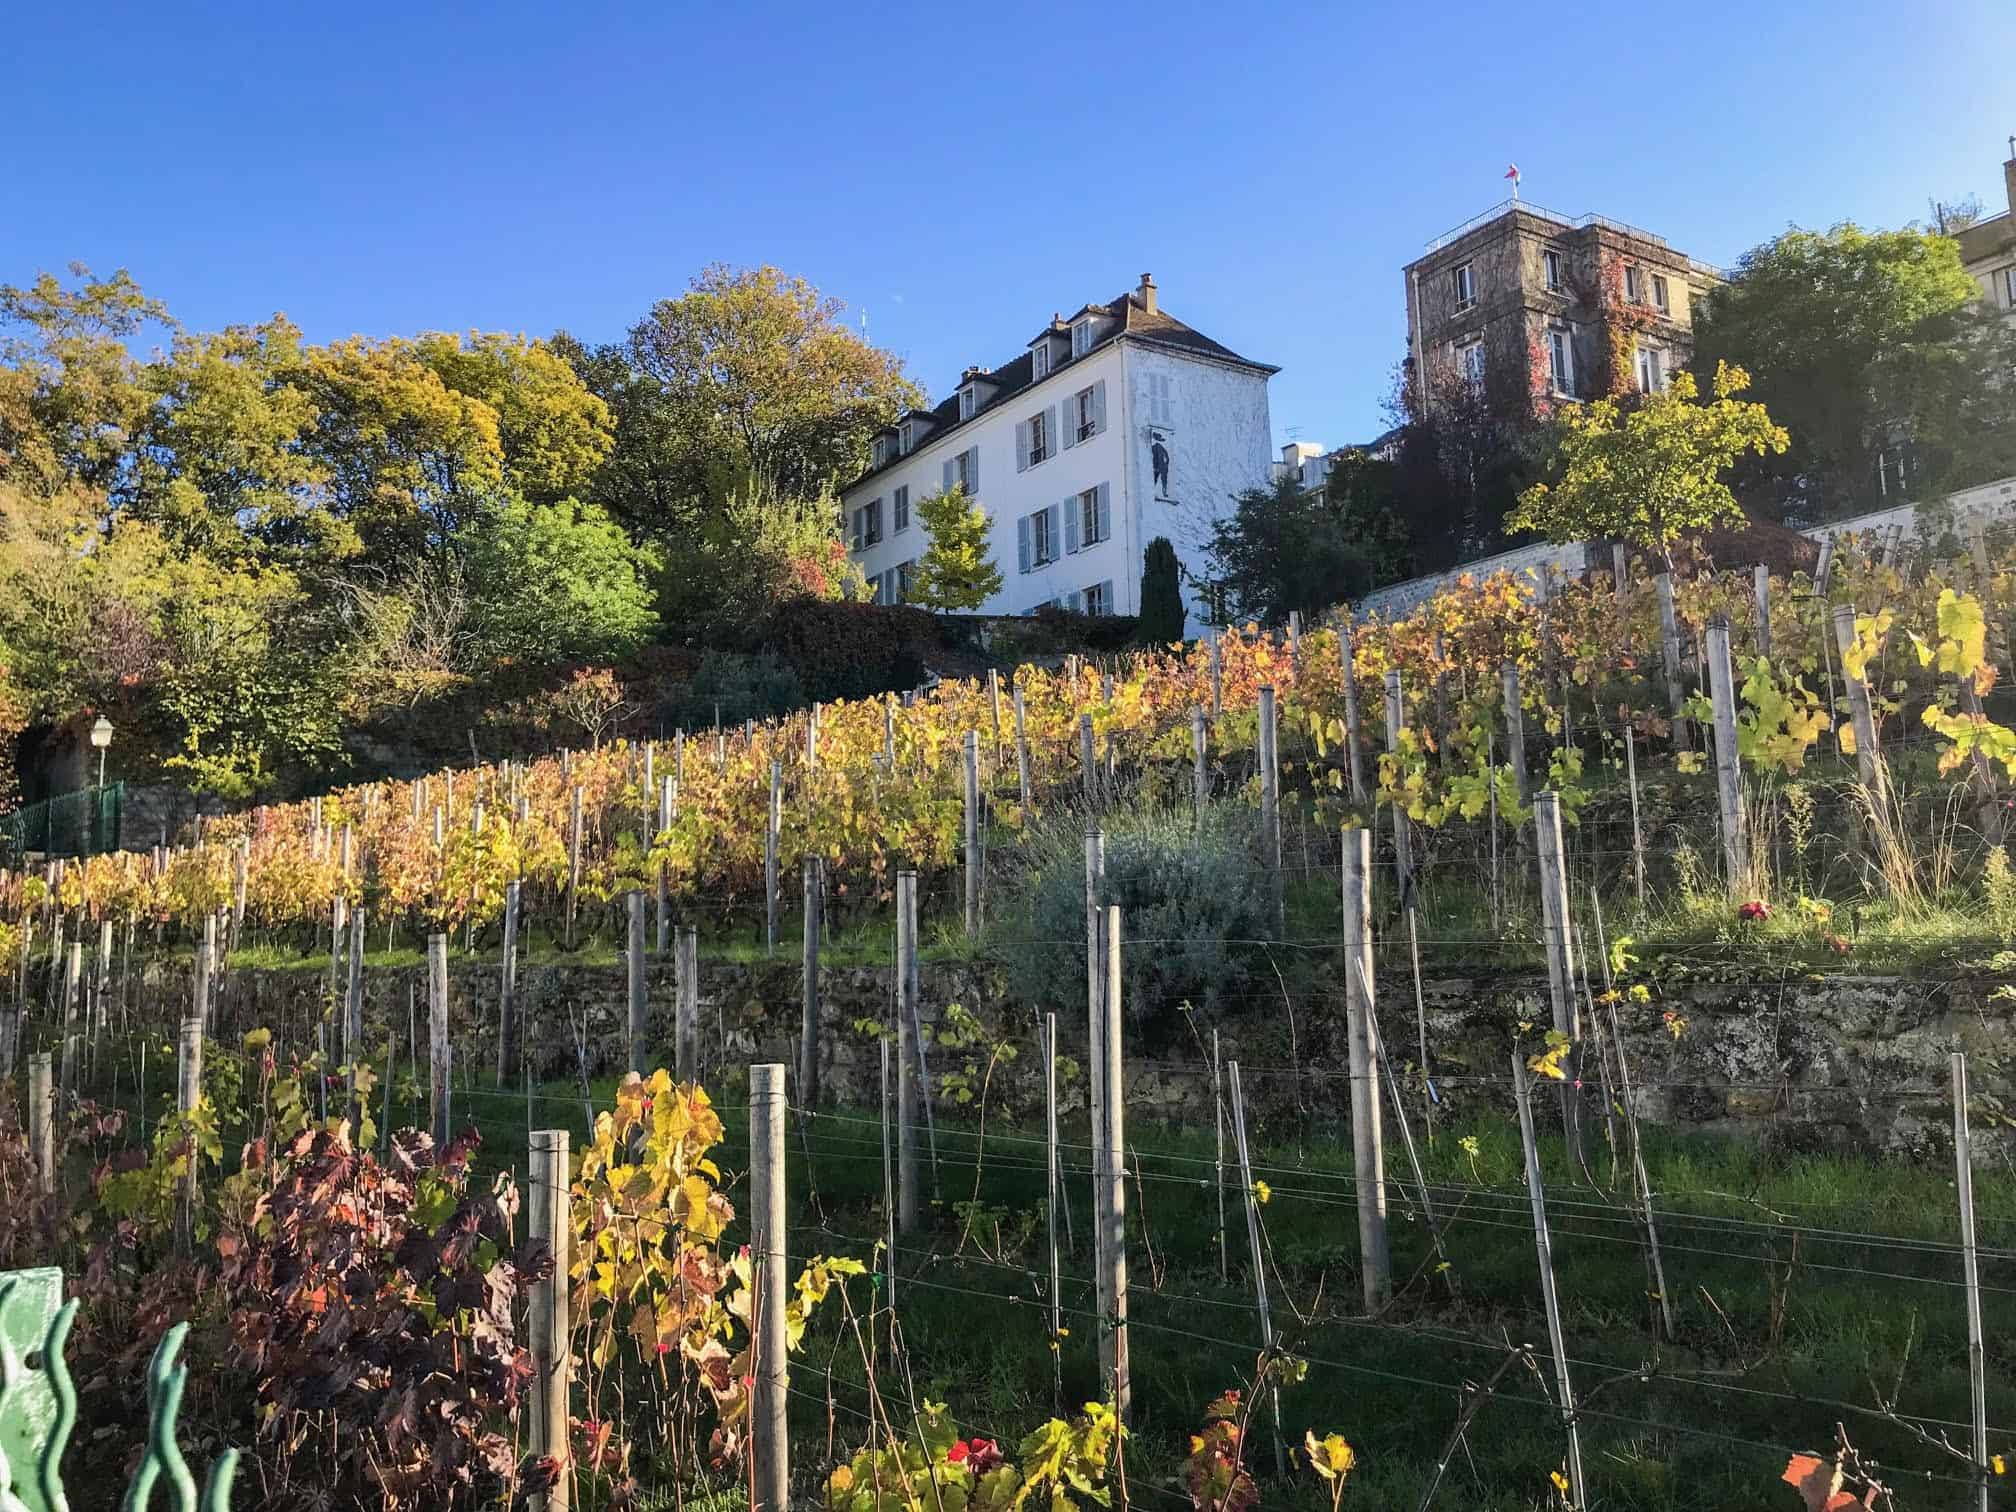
x=82, y=823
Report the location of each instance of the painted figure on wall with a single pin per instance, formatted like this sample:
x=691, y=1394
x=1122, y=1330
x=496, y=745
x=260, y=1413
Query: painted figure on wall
x=1158, y=456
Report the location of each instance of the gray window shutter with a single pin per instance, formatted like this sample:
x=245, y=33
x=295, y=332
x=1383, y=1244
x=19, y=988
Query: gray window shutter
x=1021, y=446
x=1106, y=511
x=1076, y=603
x=1050, y=430
x=973, y=470
x=950, y=476
x=1099, y=406
x=1070, y=526
x=1106, y=594
x=1022, y=552
x=1056, y=525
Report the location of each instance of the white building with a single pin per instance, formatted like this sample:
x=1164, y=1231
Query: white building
x=1117, y=425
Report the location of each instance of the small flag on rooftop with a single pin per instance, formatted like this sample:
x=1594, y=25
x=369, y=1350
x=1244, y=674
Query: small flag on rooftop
x=1512, y=173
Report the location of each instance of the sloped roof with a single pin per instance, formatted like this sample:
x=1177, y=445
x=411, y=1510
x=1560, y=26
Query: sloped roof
x=1131, y=319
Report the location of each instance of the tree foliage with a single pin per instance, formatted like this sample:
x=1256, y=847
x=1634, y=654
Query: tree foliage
x=1864, y=343
x=1652, y=473
x=1161, y=593
x=955, y=571
x=757, y=372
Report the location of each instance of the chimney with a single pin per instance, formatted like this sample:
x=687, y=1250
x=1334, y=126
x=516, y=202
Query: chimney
x=2009, y=175
x=1146, y=293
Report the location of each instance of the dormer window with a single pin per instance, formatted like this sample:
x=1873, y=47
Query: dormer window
x=906, y=437
x=969, y=401
x=880, y=451
x=1039, y=361
x=1081, y=338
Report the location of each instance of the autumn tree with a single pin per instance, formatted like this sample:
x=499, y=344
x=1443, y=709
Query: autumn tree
x=756, y=374
x=1651, y=473
x=955, y=571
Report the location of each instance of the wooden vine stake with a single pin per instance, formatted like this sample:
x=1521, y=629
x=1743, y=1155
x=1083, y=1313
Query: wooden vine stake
x=1200, y=776
x=1368, y=1154
x=552, y=1348
x=1021, y=750
x=507, y=986
x=770, y=1443
x=42, y=1119
x=1555, y=929
x=1670, y=660
x=1354, y=745
x=638, y=999
x=1564, y=1388
x=972, y=826
x=437, y=1036
x=1728, y=772
x=1255, y=1249
x=1270, y=806
x=808, y=1028
x=1970, y=1269
x=1861, y=714
x=686, y=1009
x=1111, y=1178
x=773, y=825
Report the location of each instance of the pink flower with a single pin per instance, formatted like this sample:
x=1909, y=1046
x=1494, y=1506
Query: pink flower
x=1754, y=910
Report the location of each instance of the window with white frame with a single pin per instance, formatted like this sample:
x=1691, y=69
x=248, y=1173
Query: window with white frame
x=906, y=576
x=871, y=523
x=1081, y=338
x=1633, y=291
x=1463, y=286
x=881, y=451
x=1093, y=526
x=899, y=509
x=1659, y=296
x=1085, y=414
x=1651, y=370
x=1470, y=363
x=962, y=470
x=1550, y=263
x=906, y=438
x=1561, y=361
x=1098, y=599
x=1161, y=400
x=1042, y=538
x=969, y=401
x=1039, y=361
x=1037, y=429
x=2009, y=287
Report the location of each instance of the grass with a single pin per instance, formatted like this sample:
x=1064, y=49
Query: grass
x=1801, y=1286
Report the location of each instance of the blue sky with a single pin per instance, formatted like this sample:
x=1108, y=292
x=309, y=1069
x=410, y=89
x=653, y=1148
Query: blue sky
x=956, y=170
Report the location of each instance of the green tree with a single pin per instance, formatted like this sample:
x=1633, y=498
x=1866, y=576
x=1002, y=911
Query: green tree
x=759, y=547
x=1654, y=473
x=221, y=461
x=1161, y=593
x=557, y=582
x=955, y=571
x=1282, y=549
x=72, y=393
x=759, y=375
x=553, y=430
x=1863, y=343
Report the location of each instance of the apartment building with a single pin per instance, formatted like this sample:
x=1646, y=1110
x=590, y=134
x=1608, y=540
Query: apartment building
x=1988, y=247
x=1115, y=425
x=1528, y=307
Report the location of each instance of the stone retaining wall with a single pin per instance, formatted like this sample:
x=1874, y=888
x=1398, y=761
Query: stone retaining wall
x=1838, y=1062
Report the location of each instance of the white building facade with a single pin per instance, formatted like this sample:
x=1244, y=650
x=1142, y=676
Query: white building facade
x=1116, y=426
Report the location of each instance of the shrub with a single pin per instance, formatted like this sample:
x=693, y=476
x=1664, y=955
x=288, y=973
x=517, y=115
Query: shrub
x=1197, y=896
x=1161, y=594
x=740, y=686
x=843, y=650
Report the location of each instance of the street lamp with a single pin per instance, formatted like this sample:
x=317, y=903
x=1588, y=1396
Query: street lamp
x=101, y=737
